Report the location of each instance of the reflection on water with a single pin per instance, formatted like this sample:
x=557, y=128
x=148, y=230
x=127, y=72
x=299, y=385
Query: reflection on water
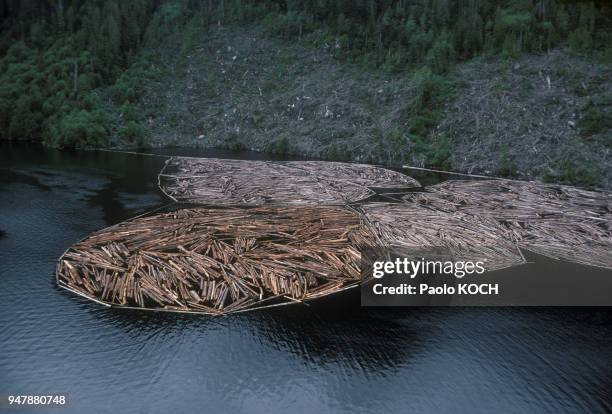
x=330, y=356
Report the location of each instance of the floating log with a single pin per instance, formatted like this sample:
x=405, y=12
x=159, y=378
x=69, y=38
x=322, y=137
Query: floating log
x=412, y=228
x=492, y=218
x=512, y=198
x=222, y=181
x=310, y=243
x=216, y=261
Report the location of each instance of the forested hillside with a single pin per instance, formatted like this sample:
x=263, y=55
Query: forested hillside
x=89, y=73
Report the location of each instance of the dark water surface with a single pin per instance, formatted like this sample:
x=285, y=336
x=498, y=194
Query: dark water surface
x=330, y=356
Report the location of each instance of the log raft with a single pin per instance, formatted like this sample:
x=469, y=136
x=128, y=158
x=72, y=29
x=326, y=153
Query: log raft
x=494, y=219
x=241, y=182
x=217, y=261
x=289, y=232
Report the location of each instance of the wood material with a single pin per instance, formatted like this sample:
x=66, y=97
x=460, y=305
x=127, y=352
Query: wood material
x=302, y=240
x=219, y=261
x=221, y=181
x=493, y=218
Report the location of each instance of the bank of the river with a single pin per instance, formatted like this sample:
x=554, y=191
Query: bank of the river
x=543, y=117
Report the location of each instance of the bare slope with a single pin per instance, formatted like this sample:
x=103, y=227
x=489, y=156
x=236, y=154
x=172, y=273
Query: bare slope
x=240, y=89
x=532, y=116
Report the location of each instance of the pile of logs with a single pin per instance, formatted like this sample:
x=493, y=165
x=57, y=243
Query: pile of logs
x=217, y=261
x=516, y=199
x=413, y=227
x=287, y=234
x=217, y=181
x=491, y=218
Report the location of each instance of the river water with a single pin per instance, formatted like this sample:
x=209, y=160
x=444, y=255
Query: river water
x=330, y=356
